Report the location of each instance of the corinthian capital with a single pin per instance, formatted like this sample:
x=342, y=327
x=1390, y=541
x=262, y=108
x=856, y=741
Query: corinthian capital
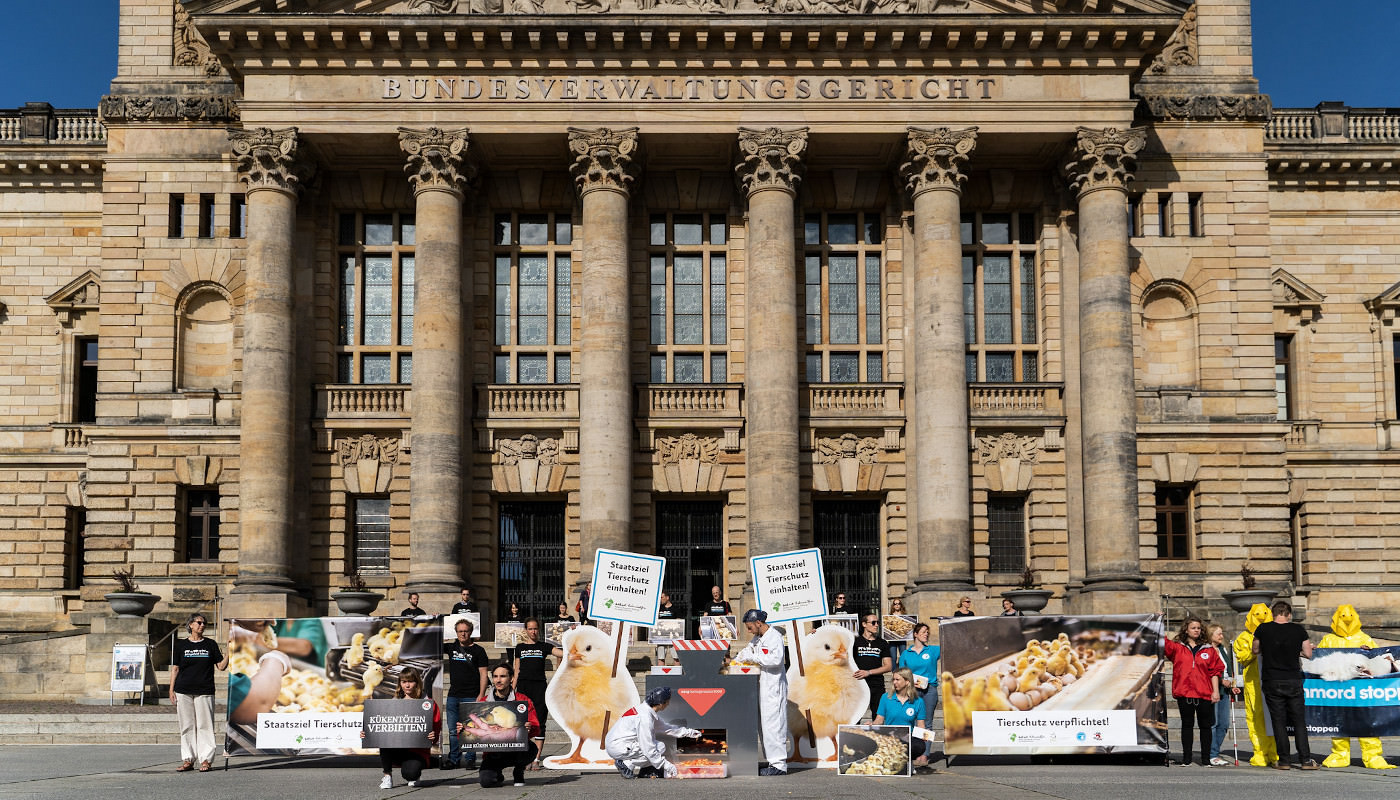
x=772, y=158
x=267, y=159
x=934, y=158
x=1104, y=159
x=604, y=158
x=437, y=159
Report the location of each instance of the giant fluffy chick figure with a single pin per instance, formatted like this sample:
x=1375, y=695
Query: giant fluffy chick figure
x=585, y=695
x=828, y=693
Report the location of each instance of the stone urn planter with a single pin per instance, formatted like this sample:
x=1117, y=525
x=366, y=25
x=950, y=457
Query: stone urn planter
x=353, y=603
x=128, y=600
x=1028, y=601
x=1242, y=600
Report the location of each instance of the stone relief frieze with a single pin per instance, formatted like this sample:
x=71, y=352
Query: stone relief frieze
x=528, y=448
x=168, y=108
x=190, y=48
x=674, y=449
x=1176, y=106
x=865, y=450
x=366, y=448
x=1181, y=47
x=993, y=449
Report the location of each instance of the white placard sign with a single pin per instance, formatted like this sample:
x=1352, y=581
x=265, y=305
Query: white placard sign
x=309, y=731
x=1031, y=729
x=449, y=625
x=128, y=667
x=790, y=586
x=626, y=587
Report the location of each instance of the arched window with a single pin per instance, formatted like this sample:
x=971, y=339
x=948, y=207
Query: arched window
x=1169, y=336
x=204, y=325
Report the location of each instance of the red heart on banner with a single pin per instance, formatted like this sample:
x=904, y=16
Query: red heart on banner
x=702, y=700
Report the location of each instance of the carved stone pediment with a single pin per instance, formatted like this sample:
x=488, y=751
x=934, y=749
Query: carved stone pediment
x=688, y=463
x=367, y=462
x=83, y=293
x=650, y=7
x=1385, y=304
x=1295, y=298
x=847, y=463
x=527, y=465
x=1008, y=461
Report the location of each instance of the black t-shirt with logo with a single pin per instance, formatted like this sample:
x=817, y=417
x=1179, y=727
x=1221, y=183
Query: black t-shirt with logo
x=871, y=654
x=464, y=663
x=533, y=660
x=666, y=611
x=461, y=607
x=719, y=608
x=196, y=661
x=413, y=612
x=1280, y=645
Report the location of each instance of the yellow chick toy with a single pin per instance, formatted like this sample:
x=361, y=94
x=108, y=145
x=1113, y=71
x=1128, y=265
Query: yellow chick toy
x=1346, y=632
x=827, y=692
x=583, y=690
x=1262, y=743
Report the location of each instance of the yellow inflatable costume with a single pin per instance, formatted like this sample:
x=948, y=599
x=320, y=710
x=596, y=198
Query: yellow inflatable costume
x=1346, y=632
x=1263, y=744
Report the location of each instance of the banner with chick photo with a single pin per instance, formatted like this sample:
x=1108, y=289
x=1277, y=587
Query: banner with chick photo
x=299, y=686
x=1352, y=692
x=1052, y=684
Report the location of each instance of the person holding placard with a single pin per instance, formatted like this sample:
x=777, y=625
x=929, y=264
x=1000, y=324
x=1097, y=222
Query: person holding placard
x=466, y=671
x=718, y=607
x=766, y=650
x=493, y=764
x=667, y=610
x=192, y=665
x=410, y=761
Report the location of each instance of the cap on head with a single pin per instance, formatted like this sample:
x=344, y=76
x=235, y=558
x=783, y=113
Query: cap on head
x=755, y=615
x=659, y=696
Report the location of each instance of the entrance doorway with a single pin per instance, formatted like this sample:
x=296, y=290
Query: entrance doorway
x=531, y=559
x=690, y=534
x=847, y=532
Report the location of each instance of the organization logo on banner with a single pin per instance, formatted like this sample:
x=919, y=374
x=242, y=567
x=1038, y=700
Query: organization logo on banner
x=1054, y=728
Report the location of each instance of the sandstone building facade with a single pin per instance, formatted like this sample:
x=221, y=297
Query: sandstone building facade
x=460, y=291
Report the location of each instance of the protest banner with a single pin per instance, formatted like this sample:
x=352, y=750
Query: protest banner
x=398, y=723
x=1345, y=702
x=128, y=668
x=789, y=586
x=626, y=587
x=494, y=726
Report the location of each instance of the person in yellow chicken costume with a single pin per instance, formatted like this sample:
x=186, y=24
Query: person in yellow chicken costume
x=1346, y=632
x=1262, y=742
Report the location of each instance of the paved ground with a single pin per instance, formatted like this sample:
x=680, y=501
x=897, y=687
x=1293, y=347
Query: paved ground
x=147, y=772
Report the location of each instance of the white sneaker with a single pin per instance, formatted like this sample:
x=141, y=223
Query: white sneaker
x=519, y=783
x=412, y=784
x=386, y=782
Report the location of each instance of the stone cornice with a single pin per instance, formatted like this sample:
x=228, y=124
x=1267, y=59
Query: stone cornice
x=1104, y=159
x=1167, y=106
x=267, y=159
x=604, y=158
x=216, y=108
x=437, y=159
x=771, y=159
x=934, y=158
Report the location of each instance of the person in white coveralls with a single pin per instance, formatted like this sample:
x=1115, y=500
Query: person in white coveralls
x=766, y=650
x=632, y=741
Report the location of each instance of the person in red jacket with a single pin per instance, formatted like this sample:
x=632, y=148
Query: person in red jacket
x=1196, y=671
x=493, y=764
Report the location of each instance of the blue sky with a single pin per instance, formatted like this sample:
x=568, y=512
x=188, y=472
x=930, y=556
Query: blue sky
x=1306, y=51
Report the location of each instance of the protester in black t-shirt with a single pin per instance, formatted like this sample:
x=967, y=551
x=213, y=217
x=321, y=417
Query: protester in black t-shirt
x=838, y=606
x=532, y=661
x=413, y=610
x=192, y=665
x=873, y=660
x=466, y=671
x=965, y=608
x=667, y=610
x=1279, y=644
x=719, y=607
x=466, y=604
x=564, y=613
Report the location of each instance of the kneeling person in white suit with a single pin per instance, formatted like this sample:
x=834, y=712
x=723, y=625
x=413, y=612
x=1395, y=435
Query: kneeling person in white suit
x=632, y=743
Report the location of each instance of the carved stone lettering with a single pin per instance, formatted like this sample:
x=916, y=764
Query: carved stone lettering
x=934, y=158
x=1105, y=158
x=772, y=158
x=268, y=158
x=604, y=158
x=437, y=159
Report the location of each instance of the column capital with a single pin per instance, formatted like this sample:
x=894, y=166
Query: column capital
x=605, y=158
x=934, y=158
x=772, y=158
x=437, y=159
x=268, y=159
x=1105, y=158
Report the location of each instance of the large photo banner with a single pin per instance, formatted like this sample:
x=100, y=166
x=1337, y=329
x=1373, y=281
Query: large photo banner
x=299, y=686
x=1052, y=684
x=1353, y=693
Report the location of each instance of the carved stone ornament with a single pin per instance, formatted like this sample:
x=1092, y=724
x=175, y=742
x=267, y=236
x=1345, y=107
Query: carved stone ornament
x=688, y=446
x=864, y=450
x=604, y=158
x=268, y=158
x=1181, y=47
x=433, y=6
x=528, y=448
x=772, y=158
x=533, y=7
x=993, y=449
x=168, y=108
x=1104, y=159
x=368, y=447
x=1252, y=107
x=437, y=159
x=934, y=158
x=190, y=48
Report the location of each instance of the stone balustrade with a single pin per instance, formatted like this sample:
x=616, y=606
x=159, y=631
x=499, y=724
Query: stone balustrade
x=554, y=401
x=70, y=437
x=36, y=123
x=667, y=400
x=1333, y=123
x=857, y=398
x=354, y=401
x=1016, y=400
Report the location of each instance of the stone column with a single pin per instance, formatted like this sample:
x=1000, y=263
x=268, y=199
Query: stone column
x=769, y=173
x=267, y=163
x=942, y=472
x=606, y=163
x=439, y=173
x=1103, y=165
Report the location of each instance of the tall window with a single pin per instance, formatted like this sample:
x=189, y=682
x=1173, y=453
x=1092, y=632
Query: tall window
x=74, y=550
x=999, y=298
x=1395, y=363
x=238, y=216
x=85, y=380
x=1173, y=521
x=531, y=558
x=368, y=549
x=533, y=279
x=1283, y=377
x=376, y=298
x=1006, y=533
x=689, y=292
x=202, y=525
x=844, y=257
x=206, y=216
